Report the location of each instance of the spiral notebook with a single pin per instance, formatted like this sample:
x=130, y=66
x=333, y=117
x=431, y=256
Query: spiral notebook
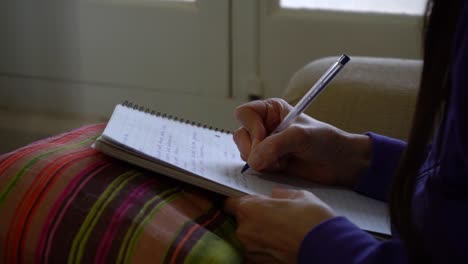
x=207, y=157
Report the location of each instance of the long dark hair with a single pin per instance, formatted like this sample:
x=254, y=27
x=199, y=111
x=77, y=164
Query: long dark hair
x=440, y=26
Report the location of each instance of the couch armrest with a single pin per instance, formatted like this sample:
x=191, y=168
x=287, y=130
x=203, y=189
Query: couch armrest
x=370, y=94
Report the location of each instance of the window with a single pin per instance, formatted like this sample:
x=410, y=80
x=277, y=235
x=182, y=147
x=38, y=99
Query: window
x=413, y=7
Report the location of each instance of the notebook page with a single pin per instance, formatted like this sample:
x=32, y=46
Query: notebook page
x=207, y=153
x=367, y=213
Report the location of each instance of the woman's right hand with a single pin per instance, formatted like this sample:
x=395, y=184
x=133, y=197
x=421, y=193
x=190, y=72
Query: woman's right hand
x=309, y=149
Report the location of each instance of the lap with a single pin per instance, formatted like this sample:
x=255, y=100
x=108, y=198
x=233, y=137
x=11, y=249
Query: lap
x=62, y=201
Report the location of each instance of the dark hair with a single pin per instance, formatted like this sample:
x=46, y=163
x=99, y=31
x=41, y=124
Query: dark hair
x=439, y=30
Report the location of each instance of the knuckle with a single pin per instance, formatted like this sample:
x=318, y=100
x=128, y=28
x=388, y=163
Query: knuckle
x=282, y=105
x=237, y=111
x=276, y=104
x=282, y=101
x=237, y=134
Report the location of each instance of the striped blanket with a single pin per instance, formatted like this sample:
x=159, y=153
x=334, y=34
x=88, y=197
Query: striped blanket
x=63, y=202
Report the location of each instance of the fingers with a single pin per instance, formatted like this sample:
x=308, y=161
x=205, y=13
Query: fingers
x=268, y=153
x=250, y=211
x=259, y=118
x=243, y=205
x=233, y=204
x=264, y=226
x=250, y=116
x=303, y=195
x=242, y=139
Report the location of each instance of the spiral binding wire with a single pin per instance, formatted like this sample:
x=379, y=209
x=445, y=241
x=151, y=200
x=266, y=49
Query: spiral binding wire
x=171, y=117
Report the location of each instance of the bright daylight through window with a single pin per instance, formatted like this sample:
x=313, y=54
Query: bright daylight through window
x=409, y=7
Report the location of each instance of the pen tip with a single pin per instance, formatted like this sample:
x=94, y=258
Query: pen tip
x=246, y=167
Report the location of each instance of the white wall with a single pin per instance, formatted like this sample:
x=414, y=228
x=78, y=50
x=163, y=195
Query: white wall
x=78, y=59
x=50, y=82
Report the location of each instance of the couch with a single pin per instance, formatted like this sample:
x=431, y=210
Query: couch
x=370, y=94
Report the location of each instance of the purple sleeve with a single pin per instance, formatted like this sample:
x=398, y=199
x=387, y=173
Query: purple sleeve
x=354, y=244
x=337, y=240
x=386, y=153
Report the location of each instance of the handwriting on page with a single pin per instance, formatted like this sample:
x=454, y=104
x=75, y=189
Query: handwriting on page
x=204, y=152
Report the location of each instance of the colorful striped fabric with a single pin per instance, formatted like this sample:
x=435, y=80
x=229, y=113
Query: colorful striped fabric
x=63, y=202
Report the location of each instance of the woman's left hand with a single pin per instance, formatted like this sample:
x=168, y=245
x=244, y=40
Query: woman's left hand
x=271, y=229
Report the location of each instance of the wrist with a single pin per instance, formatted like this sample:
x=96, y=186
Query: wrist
x=357, y=158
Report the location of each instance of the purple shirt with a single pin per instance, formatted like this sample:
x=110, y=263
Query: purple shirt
x=440, y=201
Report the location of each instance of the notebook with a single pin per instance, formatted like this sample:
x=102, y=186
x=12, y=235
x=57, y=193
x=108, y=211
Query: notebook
x=207, y=157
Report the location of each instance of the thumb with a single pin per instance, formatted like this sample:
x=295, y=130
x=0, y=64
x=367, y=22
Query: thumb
x=268, y=152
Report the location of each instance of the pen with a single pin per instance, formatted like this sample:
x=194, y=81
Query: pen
x=302, y=105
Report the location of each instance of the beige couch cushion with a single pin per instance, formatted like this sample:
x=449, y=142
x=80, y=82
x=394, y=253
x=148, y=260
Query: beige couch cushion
x=370, y=94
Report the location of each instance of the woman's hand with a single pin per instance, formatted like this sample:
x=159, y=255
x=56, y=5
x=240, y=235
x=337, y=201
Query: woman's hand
x=272, y=229
x=308, y=148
